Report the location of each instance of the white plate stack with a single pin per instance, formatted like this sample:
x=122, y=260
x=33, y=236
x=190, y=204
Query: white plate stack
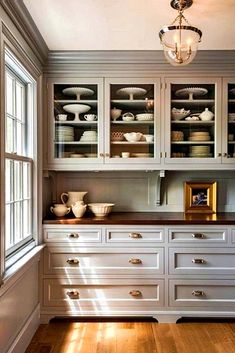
x=89, y=136
x=200, y=152
x=64, y=133
x=199, y=136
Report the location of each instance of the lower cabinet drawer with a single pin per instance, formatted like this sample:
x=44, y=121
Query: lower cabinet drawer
x=61, y=261
x=72, y=235
x=201, y=261
x=78, y=296
x=204, y=293
x=197, y=235
x=134, y=235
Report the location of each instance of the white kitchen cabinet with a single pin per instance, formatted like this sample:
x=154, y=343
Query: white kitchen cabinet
x=195, y=142
x=159, y=271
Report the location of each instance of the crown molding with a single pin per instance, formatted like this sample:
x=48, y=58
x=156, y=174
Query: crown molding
x=222, y=61
x=21, y=18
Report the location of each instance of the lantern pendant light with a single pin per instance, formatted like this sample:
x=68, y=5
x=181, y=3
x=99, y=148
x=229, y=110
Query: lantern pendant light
x=180, y=39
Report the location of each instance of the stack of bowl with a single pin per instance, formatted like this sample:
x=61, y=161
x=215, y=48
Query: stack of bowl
x=200, y=152
x=89, y=136
x=177, y=136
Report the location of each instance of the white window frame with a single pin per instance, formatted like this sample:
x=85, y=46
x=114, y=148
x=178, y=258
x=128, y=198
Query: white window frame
x=14, y=66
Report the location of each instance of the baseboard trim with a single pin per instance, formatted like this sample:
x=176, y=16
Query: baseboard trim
x=25, y=335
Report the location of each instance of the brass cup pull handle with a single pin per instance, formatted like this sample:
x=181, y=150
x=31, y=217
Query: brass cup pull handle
x=73, y=261
x=198, y=235
x=73, y=294
x=73, y=235
x=135, y=293
x=135, y=235
x=198, y=261
x=135, y=261
x=198, y=293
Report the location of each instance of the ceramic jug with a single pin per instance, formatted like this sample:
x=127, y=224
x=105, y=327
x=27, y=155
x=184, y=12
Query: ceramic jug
x=206, y=115
x=79, y=209
x=72, y=197
x=59, y=209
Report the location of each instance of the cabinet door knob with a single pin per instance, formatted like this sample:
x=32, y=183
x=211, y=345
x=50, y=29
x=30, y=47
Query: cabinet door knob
x=225, y=154
x=198, y=235
x=73, y=261
x=198, y=261
x=73, y=235
x=101, y=154
x=107, y=155
x=135, y=235
x=219, y=154
x=135, y=261
x=73, y=294
x=135, y=293
x=198, y=293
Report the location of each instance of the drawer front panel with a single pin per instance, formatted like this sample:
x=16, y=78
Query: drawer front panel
x=198, y=235
x=233, y=235
x=202, y=293
x=78, y=296
x=201, y=261
x=134, y=235
x=101, y=262
x=72, y=235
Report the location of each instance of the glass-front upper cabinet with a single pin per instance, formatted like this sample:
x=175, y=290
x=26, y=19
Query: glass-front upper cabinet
x=229, y=121
x=75, y=122
x=133, y=121
x=193, y=121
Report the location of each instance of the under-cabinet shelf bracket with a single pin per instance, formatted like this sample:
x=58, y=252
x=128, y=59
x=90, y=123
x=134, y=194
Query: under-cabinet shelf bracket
x=160, y=176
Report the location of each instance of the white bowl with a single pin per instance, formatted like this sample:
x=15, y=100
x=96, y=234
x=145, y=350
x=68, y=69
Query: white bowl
x=76, y=109
x=101, y=209
x=178, y=114
x=133, y=136
x=144, y=117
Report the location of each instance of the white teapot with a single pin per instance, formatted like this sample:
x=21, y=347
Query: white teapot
x=79, y=209
x=72, y=197
x=206, y=115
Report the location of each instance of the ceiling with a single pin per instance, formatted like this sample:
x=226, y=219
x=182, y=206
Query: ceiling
x=129, y=24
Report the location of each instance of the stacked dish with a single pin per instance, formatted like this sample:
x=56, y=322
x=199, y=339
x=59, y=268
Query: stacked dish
x=231, y=116
x=200, y=151
x=64, y=133
x=144, y=117
x=199, y=136
x=142, y=155
x=89, y=136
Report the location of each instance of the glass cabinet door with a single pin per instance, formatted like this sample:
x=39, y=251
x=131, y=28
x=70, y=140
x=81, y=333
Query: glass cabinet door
x=133, y=113
x=193, y=119
x=229, y=123
x=75, y=122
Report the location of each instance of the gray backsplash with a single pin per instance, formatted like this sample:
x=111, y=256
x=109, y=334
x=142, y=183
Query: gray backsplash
x=137, y=191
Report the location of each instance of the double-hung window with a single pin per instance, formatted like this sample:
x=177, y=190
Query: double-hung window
x=19, y=158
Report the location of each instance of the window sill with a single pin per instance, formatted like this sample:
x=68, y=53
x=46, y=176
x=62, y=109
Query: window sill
x=13, y=273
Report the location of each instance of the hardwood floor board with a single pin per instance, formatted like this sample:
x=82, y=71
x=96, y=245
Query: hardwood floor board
x=134, y=337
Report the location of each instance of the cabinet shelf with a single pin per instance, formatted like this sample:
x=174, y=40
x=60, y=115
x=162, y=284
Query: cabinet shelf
x=135, y=122
x=92, y=103
x=71, y=122
x=196, y=122
x=131, y=143
x=74, y=143
x=125, y=103
x=192, y=142
x=195, y=102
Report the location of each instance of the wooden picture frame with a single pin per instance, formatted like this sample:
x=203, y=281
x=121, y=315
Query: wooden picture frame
x=200, y=197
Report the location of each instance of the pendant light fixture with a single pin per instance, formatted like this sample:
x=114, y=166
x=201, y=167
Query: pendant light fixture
x=180, y=39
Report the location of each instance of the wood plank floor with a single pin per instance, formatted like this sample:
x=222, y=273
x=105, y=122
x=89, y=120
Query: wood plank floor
x=134, y=337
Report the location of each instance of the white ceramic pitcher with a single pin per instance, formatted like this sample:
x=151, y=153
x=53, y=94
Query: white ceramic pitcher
x=72, y=197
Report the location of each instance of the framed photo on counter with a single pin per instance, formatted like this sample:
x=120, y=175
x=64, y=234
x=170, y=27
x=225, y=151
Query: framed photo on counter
x=200, y=197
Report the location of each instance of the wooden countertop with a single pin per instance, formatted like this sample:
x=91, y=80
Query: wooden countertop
x=148, y=218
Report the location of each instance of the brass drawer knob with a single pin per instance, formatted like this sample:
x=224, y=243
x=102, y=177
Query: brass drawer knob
x=198, y=235
x=73, y=261
x=135, y=235
x=73, y=294
x=135, y=261
x=198, y=261
x=135, y=293
x=198, y=293
x=73, y=235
